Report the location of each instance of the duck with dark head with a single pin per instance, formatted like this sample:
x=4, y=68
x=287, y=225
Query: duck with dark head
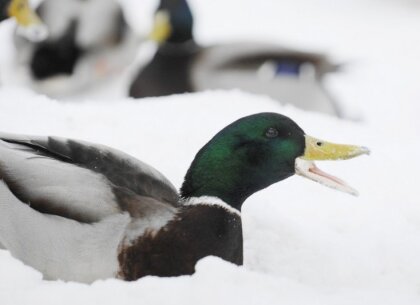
x=169, y=71
x=80, y=52
x=180, y=65
x=98, y=213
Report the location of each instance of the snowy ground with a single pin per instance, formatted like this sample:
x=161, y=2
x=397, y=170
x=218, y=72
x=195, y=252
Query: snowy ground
x=304, y=244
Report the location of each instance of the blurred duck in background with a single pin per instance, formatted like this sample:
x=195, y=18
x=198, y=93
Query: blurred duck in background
x=89, y=41
x=180, y=65
x=29, y=24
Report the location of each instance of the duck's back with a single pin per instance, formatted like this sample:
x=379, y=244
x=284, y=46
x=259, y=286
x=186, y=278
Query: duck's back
x=67, y=206
x=290, y=76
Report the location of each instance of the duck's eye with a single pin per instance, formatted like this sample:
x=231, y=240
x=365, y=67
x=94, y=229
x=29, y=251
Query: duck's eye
x=271, y=132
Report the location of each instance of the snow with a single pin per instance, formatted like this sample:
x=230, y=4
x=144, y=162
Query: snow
x=304, y=243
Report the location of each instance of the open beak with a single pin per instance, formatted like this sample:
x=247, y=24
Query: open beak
x=161, y=28
x=320, y=150
x=30, y=25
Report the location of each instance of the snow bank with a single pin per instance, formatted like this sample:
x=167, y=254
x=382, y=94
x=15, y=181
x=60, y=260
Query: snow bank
x=304, y=243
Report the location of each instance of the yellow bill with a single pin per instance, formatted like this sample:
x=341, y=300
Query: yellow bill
x=162, y=27
x=316, y=149
x=322, y=150
x=30, y=25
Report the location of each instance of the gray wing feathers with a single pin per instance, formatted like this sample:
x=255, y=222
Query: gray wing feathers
x=86, y=180
x=55, y=187
x=251, y=54
x=119, y=168
x=254, y=68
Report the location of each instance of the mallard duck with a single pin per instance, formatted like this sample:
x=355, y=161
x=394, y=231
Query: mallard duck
x=78, y=211
x=30, y=25
x=181, y=65
x=80, y=51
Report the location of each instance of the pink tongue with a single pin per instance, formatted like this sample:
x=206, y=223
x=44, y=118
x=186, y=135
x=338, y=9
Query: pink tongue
x=315, y=170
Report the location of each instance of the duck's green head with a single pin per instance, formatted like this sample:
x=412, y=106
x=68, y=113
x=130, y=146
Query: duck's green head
x=173, y=22
x=257, y=151
x=29, y=23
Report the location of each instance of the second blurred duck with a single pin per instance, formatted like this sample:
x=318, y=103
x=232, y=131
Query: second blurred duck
x=180, y=65
x=89, y=41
